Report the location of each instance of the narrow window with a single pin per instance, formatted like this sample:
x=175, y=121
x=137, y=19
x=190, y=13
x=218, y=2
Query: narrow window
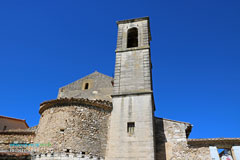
x=86, y=86
x=4, y=128
x=61, y=130
x=83, y=154
x=130, y=127
x=132, y=38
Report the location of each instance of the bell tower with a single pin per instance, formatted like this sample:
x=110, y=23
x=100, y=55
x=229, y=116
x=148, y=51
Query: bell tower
x=131, y=132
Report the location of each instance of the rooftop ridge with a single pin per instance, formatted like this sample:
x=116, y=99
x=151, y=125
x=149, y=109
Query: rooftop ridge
x=95, y=72
x=17, y=132
x=17, y=119
x=173, y=120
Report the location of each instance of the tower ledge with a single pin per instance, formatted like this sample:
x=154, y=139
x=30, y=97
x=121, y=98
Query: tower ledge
x=132, y=20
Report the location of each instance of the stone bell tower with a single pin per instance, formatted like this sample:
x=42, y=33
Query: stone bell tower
x=131, y=133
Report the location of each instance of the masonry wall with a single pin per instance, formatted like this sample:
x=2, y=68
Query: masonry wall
x=74, y=129
x=99, y=87
x=140, y=144
x=132, y=72
x=8, y=138
x=171, y=142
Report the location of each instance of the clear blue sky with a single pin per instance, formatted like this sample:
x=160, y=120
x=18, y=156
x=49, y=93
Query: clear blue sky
x=195, y=53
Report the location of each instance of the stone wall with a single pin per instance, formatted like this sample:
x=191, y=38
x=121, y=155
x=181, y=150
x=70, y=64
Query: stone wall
x=8, y=138
x=136, y=145
x=132, y=72
x=171, y=142
x=73, y=128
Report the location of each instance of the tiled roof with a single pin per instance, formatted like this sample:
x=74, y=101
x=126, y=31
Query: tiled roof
x=13, y=123
x=13, y=154
x=18, y=132
x=106, y=105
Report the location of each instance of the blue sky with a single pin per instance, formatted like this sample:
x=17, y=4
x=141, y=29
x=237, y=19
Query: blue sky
x=195, y=54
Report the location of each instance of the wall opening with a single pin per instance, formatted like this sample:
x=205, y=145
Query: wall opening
x=130, y=127
x=225, y=154
x=4, y=128
x=86, y=86
x=132, y=38
x=83, y=154
x=61, y=130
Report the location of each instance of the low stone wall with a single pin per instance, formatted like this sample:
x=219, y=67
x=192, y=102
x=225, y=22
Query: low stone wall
x=73, y=128
x=8, y=138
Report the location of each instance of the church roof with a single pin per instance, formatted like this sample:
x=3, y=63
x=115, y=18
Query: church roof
x=7, y=123
x=103, y=104
x=10, y=155
x=90, y=75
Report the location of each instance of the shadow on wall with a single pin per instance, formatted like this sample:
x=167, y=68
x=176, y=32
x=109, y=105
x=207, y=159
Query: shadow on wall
x=160, y=139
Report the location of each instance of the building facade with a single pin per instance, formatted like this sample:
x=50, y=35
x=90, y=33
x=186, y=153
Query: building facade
x=100, y=117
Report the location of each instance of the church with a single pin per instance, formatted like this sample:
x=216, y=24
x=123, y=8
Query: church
x=100, y=117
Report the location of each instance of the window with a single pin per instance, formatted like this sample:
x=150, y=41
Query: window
x=130, y=127
x=83, y=154
x=61, y=130
x=86, y=86
x=132, y=38
x=4, y=128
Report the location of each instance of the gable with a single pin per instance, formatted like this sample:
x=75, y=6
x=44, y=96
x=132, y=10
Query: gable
x=93, y=86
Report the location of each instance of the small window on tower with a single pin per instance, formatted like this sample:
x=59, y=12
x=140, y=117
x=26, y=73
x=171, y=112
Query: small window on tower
x=132, y=38
x=61, y=130
x=4, y=128
x=86, y=86
x=130, y=127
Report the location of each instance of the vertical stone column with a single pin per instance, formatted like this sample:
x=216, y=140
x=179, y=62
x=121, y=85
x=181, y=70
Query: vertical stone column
x=214, y=153
x=236, y=152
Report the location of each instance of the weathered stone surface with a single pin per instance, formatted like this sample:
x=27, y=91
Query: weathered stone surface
x=134, y=73
x=76, y=128
x=121, y=144
x=8, y=138
x=100, y=86
x=171, y=142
